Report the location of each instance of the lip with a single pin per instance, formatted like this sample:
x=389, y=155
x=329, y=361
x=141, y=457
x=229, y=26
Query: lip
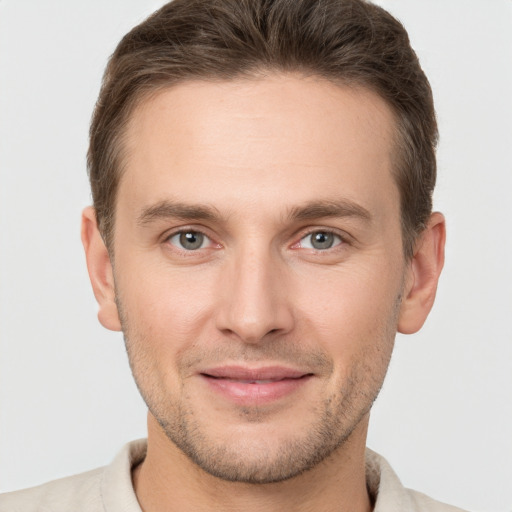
x=255, y=386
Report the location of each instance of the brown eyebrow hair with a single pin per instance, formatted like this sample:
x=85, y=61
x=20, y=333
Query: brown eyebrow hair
x=310, y=211
x=339, y=208
x=168, y=209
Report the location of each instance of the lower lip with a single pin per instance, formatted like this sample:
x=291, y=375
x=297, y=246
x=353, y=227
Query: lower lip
x=245, y=393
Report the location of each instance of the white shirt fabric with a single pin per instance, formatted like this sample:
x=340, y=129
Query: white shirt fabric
x=110, y=489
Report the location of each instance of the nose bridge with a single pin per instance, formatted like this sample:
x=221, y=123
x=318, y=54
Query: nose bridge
x=255, y=301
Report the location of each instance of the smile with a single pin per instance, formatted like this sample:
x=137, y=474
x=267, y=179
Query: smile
x=252, y=381
x=245, y=386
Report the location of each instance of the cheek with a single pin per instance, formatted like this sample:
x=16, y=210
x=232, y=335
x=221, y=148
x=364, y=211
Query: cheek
x=162, y=319
x=167, y=309
x=351, y=308
x=355, y=323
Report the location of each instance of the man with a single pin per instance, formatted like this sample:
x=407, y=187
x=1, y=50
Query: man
x=262, y=174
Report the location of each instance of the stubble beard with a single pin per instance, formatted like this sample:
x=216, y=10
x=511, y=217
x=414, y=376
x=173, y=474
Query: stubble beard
x=261, y=461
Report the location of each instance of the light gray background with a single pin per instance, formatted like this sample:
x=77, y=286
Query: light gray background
x=67, y=401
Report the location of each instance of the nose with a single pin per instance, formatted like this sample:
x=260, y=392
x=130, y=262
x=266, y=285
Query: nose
x=254, y=299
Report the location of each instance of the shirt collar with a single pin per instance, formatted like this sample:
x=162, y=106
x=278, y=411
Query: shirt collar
x=118, y=495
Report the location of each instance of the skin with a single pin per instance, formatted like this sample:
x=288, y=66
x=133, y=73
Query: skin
x=259, y=167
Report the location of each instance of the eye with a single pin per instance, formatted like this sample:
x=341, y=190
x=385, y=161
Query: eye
x=320, y=240
x=190, y=240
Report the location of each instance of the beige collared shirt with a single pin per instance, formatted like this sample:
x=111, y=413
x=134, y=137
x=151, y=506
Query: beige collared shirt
x=110, y=489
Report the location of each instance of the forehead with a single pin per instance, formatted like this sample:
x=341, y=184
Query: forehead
x=278, y=134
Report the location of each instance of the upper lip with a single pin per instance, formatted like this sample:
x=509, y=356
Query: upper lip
x=236, y=372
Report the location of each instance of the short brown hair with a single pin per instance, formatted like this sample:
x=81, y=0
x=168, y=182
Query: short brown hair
x=349, y=42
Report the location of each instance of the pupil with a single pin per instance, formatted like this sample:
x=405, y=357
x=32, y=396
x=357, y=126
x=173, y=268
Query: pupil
x=191, y=240
x=322, y=240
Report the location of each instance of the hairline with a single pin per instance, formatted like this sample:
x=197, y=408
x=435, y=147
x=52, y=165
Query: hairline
x=144, y=95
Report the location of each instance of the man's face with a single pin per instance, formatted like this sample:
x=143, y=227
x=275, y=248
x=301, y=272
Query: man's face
x=259, y=268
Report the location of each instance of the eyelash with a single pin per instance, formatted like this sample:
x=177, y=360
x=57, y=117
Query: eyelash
x=185, y=231
x=341, y=240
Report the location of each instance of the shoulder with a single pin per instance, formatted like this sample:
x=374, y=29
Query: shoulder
x=78, y=493
x=424, y=503
x=100, y=490
x=389, y=493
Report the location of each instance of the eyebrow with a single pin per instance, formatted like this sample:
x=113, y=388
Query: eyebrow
x=321, y=209
x=168, y=209
x=200, y=212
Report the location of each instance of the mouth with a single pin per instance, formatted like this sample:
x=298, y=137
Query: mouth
x=255, y=386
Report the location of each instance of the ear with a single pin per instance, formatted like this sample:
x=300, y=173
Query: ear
x=100, y=271
x=422, y=276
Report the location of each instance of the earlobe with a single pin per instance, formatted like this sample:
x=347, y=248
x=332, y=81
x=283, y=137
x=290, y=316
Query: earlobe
x=100, y=271
x=423, y=275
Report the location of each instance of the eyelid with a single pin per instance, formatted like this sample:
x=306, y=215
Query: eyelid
x=166, y=237
x=344, y=237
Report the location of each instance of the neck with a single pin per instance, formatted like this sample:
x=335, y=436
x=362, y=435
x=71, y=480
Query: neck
x=168, y=480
